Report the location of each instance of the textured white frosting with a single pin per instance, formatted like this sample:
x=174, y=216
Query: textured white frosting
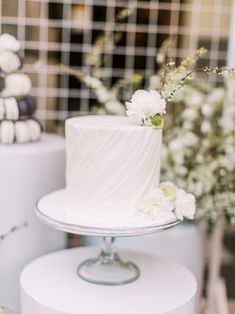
x=111, y=163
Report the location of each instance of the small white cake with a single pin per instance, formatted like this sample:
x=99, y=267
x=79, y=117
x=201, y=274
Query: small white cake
x=111, y=163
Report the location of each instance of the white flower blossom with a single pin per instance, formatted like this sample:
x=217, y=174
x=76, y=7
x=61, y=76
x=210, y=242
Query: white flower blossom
x=186, y=139
x=156, y=205
x=160, y=57
x=102, y=94
x=187, y=125
x=190, y=139
x=207, y=110
x=167, y=202
x=114, y=107
x=195, y=99
x=190, y=114
x=185, y=205
x=199, y=158
x=181, y=170
x=154, y=82
x=9, y=43
x=205, y=127
x=92, y=82
x=226, y=162
x=145, y=103
x=230, y=82
x=179, y=159
x=168, y=189
x=176, y=144
x=201, y=179
x=216, y=95
x=227, y=121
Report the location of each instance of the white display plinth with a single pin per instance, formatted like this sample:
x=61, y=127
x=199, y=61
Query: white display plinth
x=50, y=285
x=27, y=172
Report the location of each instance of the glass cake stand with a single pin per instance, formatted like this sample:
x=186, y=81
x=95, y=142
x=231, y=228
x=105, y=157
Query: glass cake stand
x=107, y=268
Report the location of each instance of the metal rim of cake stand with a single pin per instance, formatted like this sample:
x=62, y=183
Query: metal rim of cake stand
x=108, y=268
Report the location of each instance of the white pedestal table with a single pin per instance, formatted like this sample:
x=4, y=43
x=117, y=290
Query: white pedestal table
x=50, y=285
x=27, y=172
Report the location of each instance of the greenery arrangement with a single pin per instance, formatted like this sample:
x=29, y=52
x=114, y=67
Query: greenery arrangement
x=199, y=141
x=199, y=150
x=199, y=138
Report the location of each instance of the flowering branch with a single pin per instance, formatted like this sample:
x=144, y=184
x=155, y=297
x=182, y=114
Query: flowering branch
x=3, y=310
x=64, y=69
x=134, y=80
x=12, y=230
x=174, y=77
x=106, y=42
x=163, y=52
x=181, y=83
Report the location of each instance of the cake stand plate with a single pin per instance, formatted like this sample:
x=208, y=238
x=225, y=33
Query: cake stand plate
x=108, y=268
x=51, y=210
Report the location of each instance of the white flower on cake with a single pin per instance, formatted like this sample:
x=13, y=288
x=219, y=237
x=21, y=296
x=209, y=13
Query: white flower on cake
x=156, y=205
x=147, y=108
x=167, y=202
x=168, y=189
x=184, y=205
x=9, y=43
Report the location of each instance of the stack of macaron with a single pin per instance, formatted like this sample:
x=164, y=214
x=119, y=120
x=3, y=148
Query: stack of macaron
x=16, y=106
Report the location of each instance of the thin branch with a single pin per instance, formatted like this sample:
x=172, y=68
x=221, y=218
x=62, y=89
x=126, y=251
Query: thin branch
x=216, y=70
x=70, y=71
x=12, y=230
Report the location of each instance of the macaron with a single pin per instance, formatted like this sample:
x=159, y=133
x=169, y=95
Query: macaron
x=27, y=106
x=2, y=109
x=11, y=109
x=7, y=132
x=22, y=132
x=9, y=43
x=34, y=129
x=16, y=84
x=9, y=62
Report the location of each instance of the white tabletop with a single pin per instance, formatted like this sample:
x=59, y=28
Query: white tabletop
x=50, y=285
x=48, y=143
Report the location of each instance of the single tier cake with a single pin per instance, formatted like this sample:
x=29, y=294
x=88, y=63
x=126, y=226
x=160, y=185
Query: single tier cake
x=111, y=163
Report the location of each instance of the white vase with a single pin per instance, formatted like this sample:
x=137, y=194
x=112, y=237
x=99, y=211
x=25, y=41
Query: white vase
x=27, y=172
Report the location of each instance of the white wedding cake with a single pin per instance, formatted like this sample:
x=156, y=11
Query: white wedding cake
x=113, y=166
x=111, y=163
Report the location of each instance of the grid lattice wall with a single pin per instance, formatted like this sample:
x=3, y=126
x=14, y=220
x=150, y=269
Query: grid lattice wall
x=54, y=32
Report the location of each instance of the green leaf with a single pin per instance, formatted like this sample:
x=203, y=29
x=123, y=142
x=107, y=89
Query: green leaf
x=157, y=121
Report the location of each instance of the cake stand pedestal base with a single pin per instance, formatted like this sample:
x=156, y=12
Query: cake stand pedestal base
x=108, y=268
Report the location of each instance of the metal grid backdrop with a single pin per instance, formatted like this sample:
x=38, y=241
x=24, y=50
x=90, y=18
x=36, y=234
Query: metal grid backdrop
x=54, y=32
